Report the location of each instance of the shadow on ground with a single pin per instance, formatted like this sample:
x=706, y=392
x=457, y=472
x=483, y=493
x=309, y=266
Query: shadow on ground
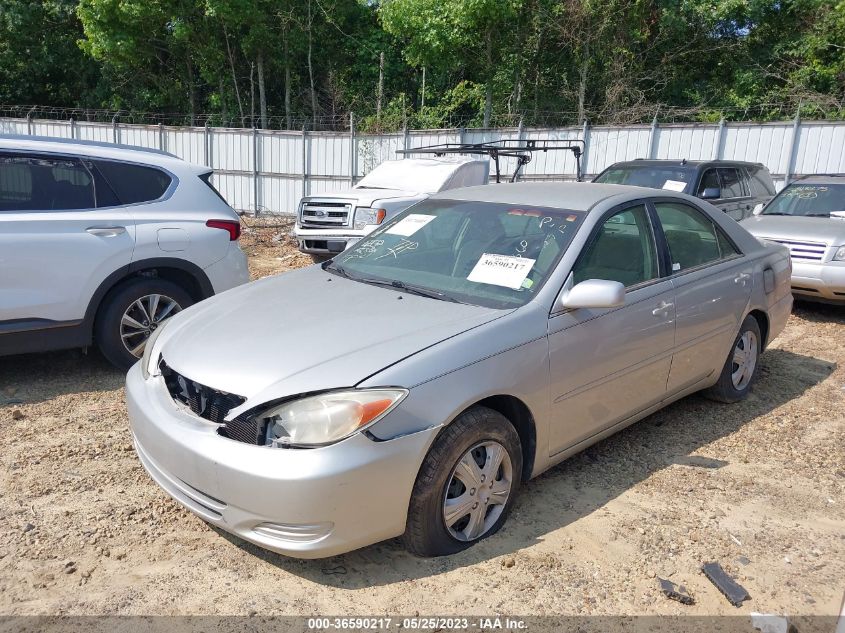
x=819, y=312
x=582, y=484
x=33, y=378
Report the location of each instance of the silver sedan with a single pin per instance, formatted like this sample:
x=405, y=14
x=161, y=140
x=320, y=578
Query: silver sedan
x=409, y=386
x=808, y=217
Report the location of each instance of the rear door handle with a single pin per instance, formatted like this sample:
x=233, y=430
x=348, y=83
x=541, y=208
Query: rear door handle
x=663, y=309
x=106, y=231
x=742, y=278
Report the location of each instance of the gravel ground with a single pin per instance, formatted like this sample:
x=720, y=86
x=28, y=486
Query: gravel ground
x=758, y=486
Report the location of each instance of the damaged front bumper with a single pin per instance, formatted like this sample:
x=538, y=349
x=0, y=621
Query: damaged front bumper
x=307, y=503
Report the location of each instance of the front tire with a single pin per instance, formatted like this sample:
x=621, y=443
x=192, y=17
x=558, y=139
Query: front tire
x=466, y=485
x=740, y=369
x=131, y=312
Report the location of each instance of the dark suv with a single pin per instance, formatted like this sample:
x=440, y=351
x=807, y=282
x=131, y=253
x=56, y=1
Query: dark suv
x=735, y=187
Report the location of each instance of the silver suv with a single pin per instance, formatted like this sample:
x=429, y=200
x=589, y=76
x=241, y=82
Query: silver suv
x=100, y=243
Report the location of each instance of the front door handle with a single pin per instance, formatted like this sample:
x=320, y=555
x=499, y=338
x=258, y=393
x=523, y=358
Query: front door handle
x=106, y=231
x=663, y=309
x=742, y=279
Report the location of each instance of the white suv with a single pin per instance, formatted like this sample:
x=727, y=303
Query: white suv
x=100, y=243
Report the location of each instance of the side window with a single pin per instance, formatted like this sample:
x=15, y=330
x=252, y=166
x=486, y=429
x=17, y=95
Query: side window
x=693, y=239
x=623, y=250
x=709, y=180
x=36, y=183
x=731, y=183
x=103, y=194
x=134, y=184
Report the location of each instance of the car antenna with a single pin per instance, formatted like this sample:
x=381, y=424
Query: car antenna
x=509, y=148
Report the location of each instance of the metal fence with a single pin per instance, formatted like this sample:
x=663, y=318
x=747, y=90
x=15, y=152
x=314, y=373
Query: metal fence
x=268, y=171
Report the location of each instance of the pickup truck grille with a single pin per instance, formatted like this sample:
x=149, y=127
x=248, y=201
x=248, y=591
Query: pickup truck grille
x=213, y=405
x=803, y=251
x=325, y=213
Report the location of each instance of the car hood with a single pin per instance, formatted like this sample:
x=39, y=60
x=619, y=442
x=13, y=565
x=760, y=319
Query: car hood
x=363, y=197
x=830, y=231
x=305, y=331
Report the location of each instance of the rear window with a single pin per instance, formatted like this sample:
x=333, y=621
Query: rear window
x=133, y=184
x=761, y=180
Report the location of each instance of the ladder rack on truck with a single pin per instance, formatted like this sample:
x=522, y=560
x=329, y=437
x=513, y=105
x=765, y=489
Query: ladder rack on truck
x=509, y=148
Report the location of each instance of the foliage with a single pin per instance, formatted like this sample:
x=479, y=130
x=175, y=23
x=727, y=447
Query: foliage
x=288, y=63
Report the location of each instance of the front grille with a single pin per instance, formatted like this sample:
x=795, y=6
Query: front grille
x=803, y=251
x=214, y=405
x=325, y=213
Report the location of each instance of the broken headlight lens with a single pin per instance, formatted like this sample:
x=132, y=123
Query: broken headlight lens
x=149, y=364
x=366, y=216
x=328, y=417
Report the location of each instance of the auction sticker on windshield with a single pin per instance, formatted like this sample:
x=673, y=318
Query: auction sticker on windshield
x=501, y=270
x=410, y=224
x=674, y=185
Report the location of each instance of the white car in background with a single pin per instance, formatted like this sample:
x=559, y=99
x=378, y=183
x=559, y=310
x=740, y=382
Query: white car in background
x=329, y=223
x=100, y=243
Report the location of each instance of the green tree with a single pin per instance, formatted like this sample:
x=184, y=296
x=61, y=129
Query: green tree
x=443, y=34
x=40, y=62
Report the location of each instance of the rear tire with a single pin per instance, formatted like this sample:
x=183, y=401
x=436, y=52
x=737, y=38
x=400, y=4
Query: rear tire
x=128, y=303
x=740, y=369
x=466, y=485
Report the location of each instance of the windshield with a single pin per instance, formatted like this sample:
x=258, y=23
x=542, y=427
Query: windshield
x=808, y=200
x=492, y=255
x=652, y=176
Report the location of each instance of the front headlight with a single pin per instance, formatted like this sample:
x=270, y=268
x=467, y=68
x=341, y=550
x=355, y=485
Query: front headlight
x=147, y=359
x=328, y=417
x=839, y=255
x=366, y=215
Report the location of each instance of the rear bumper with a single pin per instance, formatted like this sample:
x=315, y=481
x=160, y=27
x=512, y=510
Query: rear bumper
x=230, y=271
x=824, y=281
x=778, y=314
x=304, y=503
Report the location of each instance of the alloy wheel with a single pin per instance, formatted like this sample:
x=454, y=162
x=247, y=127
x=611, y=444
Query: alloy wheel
x=142, y=318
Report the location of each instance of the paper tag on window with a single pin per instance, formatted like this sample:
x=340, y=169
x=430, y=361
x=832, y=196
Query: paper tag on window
x=410, y=224
x=501, y=270
x=674, y=185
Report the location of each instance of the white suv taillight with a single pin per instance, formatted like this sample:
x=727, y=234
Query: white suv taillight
x=232, y=226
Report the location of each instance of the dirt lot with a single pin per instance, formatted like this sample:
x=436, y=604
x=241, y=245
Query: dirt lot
x=758, y=486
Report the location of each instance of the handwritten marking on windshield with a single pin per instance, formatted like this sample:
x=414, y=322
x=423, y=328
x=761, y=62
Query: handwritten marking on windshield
x=402, y=247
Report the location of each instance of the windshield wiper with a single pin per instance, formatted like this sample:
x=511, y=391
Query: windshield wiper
x=331, y=266
x=817, y=215
x=422, y=291
x=399, y=285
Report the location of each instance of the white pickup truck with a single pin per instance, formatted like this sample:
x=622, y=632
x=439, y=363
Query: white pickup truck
x=330, y=223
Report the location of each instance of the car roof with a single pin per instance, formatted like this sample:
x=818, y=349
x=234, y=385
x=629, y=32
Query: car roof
x=577, y=196
x=657, y=162
x=94, y=149
x=820, y=178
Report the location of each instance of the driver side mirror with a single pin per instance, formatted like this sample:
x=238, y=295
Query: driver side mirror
x=758, y=209
x=594, y=293
x=711, y=193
